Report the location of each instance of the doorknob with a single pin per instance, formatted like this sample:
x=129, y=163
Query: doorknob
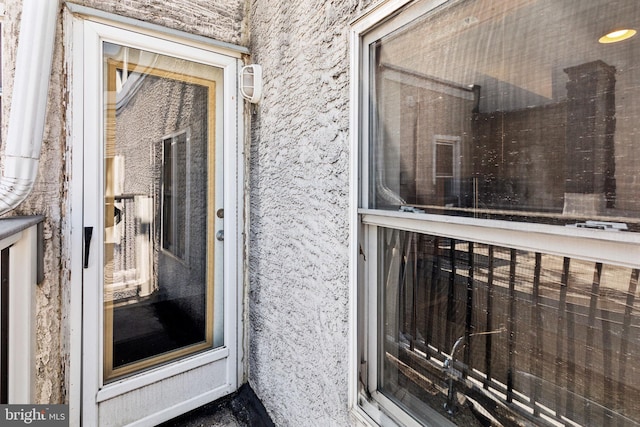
x=220, y=235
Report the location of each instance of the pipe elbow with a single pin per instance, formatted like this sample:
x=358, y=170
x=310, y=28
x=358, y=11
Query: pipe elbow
x=13, y=192
x=29, y=102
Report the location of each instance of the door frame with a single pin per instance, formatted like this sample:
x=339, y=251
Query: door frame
x=84, y=369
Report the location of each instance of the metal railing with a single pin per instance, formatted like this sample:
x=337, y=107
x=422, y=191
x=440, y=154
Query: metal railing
x=552, y=340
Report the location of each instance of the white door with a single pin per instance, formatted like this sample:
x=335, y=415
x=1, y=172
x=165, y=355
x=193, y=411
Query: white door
x=159, y=294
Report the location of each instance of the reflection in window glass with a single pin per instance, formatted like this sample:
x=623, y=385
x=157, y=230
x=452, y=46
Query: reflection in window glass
x=546, y=117
x=159, y=139
x=494, y=334
x=444, y=160
x=175, y=194
x=512, y=111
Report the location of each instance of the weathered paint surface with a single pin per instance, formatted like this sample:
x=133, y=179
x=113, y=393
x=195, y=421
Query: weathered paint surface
x=299, y=201
x=222, y=20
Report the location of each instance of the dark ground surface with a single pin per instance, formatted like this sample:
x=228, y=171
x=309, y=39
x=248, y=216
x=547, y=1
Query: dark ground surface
x=241, y=409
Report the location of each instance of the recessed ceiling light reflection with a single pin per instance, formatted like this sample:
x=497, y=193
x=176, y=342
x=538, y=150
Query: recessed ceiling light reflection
x=617, y=36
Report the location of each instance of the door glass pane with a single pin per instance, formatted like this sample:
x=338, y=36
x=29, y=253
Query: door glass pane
x=546, y=115
x=158, y=209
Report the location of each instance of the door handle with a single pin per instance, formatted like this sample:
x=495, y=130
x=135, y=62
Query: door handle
x=88, y=232
x=220, y=235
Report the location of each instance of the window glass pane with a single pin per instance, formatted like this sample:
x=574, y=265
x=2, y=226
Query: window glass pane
x=175, y=194
x=545, y=117
x=444, y=161
x=483, y=334
x=167, y=195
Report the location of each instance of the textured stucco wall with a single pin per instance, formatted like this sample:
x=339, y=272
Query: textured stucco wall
x=220, y=19
x=299, y=202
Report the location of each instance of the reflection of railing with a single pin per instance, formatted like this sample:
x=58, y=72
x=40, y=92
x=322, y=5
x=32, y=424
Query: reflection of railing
x=20, y=271
x=132, y=248
x=568, y=351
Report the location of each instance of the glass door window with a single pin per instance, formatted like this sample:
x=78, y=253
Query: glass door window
x=159, y=184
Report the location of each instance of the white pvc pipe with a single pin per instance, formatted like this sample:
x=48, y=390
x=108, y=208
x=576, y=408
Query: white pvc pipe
x=28, y=102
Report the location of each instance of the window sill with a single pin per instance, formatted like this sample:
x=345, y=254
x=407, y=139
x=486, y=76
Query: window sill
x=380, y=411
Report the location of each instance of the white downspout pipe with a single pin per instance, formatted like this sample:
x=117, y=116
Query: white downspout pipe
x=28, y=102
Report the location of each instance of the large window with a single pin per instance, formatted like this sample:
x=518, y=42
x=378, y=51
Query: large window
x=498, y=209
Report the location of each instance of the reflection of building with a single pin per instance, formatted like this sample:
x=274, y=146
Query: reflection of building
x=590, y=142
x=511, y=133
x=428, y=137
x=510, y=148
x=453, y=154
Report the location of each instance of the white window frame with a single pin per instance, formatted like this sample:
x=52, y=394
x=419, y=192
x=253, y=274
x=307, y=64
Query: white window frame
x=368, y=406
x=454, y=142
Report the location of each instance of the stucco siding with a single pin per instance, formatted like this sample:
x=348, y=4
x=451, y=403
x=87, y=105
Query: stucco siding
x=299, y=202
x=218, y=19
